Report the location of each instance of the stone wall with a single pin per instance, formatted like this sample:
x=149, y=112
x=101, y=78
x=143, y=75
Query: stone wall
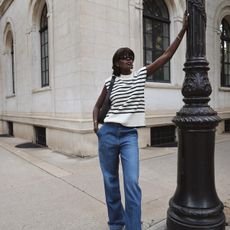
x=83, y=35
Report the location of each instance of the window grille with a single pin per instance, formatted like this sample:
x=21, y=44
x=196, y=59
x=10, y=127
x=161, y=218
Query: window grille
x=163, y=136
x=10, y=128
x=227, y=125
x=44, y=42
x=40, y=133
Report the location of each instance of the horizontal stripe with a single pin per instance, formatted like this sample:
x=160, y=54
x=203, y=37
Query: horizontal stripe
x=130, y=103
x=127, y=96
x=127, y=99
x=127, y=109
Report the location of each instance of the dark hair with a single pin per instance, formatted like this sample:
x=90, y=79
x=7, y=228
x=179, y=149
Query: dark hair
x=116, y=57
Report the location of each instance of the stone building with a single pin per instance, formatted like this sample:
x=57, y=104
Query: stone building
x=56, y=54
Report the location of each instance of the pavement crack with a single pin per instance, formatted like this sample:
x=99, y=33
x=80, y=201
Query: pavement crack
x=79, y=189
x=159, y=156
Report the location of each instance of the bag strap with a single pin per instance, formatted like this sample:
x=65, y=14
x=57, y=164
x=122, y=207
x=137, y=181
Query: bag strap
x=111, y=85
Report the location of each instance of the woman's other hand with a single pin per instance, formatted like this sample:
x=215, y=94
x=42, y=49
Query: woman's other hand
x=185, y=20
x=95, y=126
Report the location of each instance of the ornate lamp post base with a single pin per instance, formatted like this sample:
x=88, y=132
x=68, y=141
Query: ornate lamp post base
x=195, y=204
x=175, y=225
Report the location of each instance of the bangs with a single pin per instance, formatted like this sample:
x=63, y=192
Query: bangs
x=126, y=52
x=122, y=52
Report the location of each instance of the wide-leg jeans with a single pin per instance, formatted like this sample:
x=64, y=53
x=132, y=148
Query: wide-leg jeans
x=117, y=141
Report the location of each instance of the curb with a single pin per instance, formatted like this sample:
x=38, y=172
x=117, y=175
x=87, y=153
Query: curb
x=43, y=165
x=159, y=226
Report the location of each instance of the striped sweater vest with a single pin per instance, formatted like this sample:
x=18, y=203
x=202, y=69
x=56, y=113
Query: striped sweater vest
x=127, y=99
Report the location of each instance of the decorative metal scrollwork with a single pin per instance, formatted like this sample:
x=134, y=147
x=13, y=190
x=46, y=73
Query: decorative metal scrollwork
x=196, y=84
x=200, y=6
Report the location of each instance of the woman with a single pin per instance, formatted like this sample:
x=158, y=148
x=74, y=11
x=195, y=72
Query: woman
x=118, y=135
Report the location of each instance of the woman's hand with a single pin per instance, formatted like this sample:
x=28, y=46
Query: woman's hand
x=185, y=20
x=95, y=126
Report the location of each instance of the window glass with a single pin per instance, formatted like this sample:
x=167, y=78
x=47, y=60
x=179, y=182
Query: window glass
x=225, y=53
x=44, y=48
x=156, y=36
x=12, y=67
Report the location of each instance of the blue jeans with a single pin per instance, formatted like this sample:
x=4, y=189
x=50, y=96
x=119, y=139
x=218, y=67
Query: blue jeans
x=115, y=140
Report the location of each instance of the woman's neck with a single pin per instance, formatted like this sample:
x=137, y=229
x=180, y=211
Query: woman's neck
x=126, y=72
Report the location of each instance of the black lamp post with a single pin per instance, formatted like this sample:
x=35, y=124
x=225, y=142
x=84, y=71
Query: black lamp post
x=195, y=204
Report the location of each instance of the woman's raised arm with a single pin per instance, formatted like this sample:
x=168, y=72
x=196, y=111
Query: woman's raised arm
x=167, y=55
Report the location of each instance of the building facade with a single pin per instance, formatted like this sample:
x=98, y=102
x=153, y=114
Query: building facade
x=56, y=54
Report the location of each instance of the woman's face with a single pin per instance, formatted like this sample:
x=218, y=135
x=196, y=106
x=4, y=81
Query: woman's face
x=126, y=63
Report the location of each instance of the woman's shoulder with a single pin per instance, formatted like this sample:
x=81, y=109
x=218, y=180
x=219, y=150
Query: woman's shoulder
x=107, y=81
x=141, y=72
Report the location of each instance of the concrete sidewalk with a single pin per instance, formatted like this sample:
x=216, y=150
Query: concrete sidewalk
x=42, y=189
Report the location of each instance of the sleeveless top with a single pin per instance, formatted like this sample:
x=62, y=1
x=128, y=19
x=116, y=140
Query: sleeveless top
x=127, y=99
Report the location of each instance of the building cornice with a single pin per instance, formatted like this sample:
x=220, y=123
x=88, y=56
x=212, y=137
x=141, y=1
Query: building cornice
x=4, y=5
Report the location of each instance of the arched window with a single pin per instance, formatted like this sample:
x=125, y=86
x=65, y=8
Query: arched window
x=156, y=36
x=9, y=61
x=44, y=48
x=12, y=66
x=225, y=53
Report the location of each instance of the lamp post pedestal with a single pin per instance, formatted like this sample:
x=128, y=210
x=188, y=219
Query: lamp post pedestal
x=195, y=204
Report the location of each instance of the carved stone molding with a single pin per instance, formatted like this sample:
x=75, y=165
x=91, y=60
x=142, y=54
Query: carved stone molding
x=4, y=5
